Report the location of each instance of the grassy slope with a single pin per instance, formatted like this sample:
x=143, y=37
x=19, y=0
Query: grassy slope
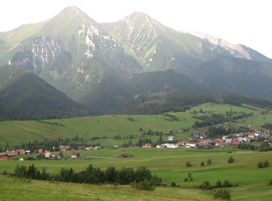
x=166, y=163
x=113, y=125
x=170, y=165
x=38, y=190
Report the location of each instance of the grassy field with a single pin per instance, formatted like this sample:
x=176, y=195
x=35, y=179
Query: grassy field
x=169, y=164
x=16, y=132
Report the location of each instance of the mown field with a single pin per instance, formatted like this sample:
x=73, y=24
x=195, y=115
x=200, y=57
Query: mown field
x=169, y=164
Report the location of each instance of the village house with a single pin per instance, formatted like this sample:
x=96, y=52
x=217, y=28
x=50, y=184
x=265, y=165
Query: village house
x=190, y=145
x=228, y=141
x=75, y=155
x=171, y=138
x=234, y=143
x=12, y=153
x=48, y=155
x=160, y=146
x=64, y=148
x=21, y=151
x=3, y=158
x=199, y=135
x=181, y=143
x=147, y=145
x=167, y=145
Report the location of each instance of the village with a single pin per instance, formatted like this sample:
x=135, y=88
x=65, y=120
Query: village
x=197, y=140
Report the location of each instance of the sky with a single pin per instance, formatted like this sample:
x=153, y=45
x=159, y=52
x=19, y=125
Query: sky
x=244, y=22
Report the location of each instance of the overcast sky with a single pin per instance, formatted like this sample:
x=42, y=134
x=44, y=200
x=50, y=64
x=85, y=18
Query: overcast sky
x=245, y=22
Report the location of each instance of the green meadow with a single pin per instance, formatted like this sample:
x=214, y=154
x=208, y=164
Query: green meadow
x=169, y=164
x=16, y=132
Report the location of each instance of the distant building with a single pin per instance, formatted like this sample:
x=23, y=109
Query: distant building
x=75, y=155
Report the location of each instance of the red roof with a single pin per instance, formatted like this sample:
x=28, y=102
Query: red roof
x=234, y=143
x=3, y=158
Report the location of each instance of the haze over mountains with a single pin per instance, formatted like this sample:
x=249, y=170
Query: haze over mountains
x=104, y=66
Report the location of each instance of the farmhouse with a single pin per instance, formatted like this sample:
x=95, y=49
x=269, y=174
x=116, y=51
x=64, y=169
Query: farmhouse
x=64, y=148
x=171, y=138
x=48, y=155
x=75, y=155
x=3, y=158
x=181, y=143
x=160, y=146
x=171, y=145
x=147, y=145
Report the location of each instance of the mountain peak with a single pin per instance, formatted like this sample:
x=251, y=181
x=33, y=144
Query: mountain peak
x=72, y=10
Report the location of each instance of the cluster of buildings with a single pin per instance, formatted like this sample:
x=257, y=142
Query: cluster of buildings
x=46, y=152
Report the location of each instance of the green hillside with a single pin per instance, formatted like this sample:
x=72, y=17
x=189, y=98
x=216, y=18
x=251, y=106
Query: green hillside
x=227, y=74
x=111, y=126
x=27, y=92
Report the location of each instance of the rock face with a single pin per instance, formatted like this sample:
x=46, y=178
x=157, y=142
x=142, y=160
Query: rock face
x=235, y=50
x=37, y=53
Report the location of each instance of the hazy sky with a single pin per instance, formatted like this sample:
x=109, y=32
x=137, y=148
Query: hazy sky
x=246, y=22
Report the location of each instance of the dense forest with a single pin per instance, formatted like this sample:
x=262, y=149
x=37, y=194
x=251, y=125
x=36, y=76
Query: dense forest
x=161, y=103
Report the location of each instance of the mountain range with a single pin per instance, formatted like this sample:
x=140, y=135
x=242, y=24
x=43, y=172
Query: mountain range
x=102, y=66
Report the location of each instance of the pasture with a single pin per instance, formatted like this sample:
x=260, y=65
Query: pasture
x=169, y=164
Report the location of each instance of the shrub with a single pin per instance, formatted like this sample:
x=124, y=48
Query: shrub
x=223, y=194
x=205, y=185
x=173, y=184
x=260, y=164
x=209, y=162
x=270, y=183
x=5, y=172
x=226, y=184
x=218, y=184
x=202, y=164
x=265, y=164
x=231, y=160
x=188, y=164
x=185, y=179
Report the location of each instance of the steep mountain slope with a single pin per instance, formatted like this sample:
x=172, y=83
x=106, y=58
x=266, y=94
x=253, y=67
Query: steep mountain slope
x=101, y=65
x=27, y=92
x=158, y=47
x=228, y=74
x=118, y=89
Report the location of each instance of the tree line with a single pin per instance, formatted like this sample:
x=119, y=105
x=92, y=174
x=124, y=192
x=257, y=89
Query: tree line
x=90, y=175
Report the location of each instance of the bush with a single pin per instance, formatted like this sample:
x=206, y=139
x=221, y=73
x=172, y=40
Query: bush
x=226, y=184
x=146, y=185
x=209, y=162
x=173, y=184
x=188, y=164
x=205, y=185
x=185, y=179
x=260, y=164
x=218, y=184
x=231, y=160
x=270, y=183
x=265, y=164
x=5, y=172
x=223, y=194
x=202, y=164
